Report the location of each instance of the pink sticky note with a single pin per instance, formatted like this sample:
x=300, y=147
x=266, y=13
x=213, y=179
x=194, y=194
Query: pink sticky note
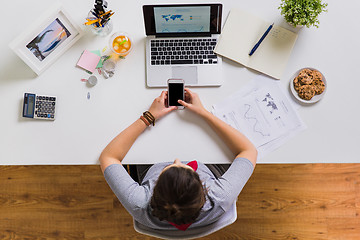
x=88, y=61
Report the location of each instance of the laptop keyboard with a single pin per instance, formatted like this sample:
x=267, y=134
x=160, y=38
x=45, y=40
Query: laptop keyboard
x=183, y=51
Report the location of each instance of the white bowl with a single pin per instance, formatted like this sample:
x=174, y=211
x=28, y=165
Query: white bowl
x=315, y=98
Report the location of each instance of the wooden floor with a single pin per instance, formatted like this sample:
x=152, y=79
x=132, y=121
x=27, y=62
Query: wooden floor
x=320, y=201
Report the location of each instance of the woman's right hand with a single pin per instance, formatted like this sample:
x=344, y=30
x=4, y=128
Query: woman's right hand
x=158, y=108
x=193, y=102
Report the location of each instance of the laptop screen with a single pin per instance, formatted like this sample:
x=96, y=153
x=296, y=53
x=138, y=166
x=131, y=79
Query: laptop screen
x=182, y=20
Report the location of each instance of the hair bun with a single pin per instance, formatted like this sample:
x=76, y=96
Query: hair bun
x=173, y=209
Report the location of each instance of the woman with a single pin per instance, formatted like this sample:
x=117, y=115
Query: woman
x=177, y=194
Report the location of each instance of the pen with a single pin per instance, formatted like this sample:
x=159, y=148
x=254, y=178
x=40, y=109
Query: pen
x=101, y=15
x=261, y=39
x=89, y=22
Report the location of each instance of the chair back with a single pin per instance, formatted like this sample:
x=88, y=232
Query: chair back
x=226, y=219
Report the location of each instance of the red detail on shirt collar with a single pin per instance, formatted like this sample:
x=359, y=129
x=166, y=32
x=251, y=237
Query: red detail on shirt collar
x=193, y=165
x=183, y=227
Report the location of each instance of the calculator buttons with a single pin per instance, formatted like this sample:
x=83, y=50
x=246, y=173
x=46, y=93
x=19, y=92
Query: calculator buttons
x=45, y=107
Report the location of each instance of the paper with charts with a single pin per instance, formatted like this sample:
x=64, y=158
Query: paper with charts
x=263, y=113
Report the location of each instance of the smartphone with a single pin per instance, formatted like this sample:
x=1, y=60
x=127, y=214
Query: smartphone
x=175, y=92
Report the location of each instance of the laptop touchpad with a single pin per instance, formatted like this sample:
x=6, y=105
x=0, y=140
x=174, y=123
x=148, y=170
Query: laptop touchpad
x=188, y=73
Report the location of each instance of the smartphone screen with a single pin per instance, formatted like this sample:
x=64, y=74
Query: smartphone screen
x=176, y=92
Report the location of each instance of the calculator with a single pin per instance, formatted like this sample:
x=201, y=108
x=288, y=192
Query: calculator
x=39, y=106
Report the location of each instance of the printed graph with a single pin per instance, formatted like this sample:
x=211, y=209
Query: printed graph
x=253, y=120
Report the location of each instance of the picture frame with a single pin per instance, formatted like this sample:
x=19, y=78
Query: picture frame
x=44, y=41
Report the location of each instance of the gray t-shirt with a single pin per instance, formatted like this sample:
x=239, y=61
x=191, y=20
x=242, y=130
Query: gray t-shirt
x=222, y=192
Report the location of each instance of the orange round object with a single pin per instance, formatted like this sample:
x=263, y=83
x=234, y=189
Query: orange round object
x=121, y=45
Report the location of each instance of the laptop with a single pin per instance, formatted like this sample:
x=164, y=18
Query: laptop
x=180, y=42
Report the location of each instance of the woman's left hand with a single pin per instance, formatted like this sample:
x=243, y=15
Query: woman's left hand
x=158, y=108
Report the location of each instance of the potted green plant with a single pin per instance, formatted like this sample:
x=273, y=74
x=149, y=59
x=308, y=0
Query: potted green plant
x=302, y=12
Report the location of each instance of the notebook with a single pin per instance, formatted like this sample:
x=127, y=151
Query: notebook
x=243, y=30
x=180, y=42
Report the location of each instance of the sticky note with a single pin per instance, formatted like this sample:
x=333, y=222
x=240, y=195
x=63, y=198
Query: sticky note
x=88, y=61
x=100, y=64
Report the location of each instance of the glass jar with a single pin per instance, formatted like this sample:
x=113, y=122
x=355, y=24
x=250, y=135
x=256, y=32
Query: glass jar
x=103, y=30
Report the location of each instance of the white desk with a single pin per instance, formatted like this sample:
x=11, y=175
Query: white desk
x=84, y=127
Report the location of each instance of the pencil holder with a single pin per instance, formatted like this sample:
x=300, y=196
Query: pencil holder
x=100, y=30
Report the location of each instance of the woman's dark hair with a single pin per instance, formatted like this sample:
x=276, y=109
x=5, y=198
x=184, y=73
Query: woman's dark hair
x=178, y=196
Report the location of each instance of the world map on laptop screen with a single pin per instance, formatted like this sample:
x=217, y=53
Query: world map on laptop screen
x=182, y=19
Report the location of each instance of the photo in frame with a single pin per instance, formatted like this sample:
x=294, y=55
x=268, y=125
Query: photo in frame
x=47, y=39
